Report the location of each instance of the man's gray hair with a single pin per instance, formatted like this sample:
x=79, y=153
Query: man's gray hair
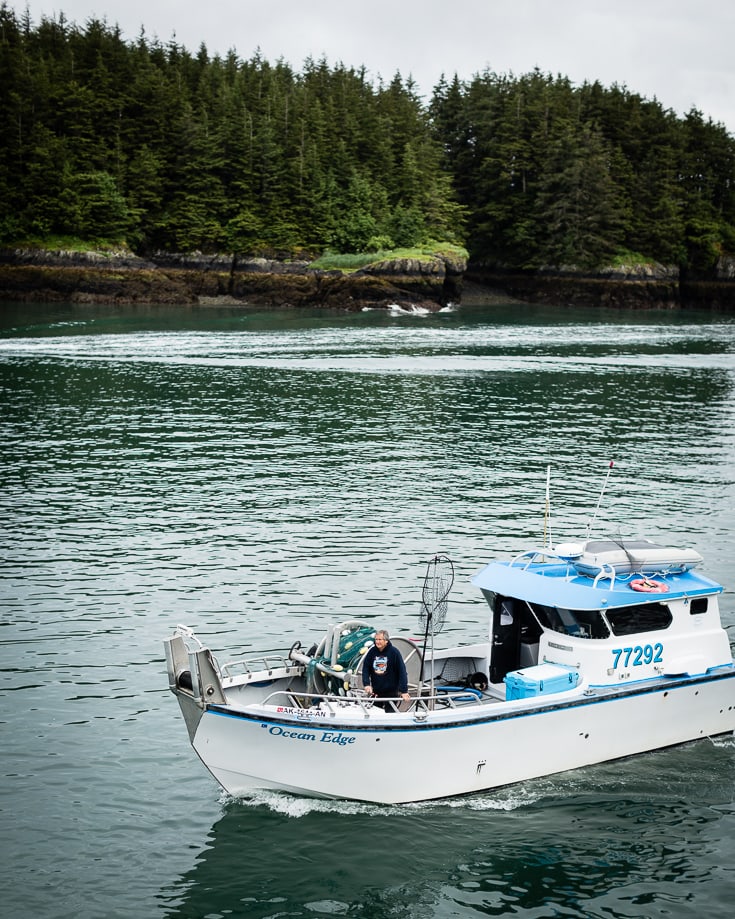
x=384, y=633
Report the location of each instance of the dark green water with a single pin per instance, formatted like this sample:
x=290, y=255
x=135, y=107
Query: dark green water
x=260, y=476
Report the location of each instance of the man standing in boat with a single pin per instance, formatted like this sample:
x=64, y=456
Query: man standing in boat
x=384, y=673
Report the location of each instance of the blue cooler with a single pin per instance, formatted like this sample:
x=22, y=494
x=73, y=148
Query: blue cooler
x=542, y=680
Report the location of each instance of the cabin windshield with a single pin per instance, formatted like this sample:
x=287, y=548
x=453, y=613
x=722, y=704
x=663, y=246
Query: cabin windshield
x=578, y=623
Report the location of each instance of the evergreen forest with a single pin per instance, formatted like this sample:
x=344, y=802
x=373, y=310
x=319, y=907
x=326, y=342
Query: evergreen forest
x=154, y=146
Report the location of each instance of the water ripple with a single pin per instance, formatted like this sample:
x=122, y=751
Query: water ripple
x=261, y=477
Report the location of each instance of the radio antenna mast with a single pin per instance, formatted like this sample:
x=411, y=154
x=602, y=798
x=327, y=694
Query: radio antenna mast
x=547, y=511
x=604, y=486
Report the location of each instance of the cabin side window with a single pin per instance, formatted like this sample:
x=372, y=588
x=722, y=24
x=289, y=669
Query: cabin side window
x=630, y=620
x=698, y=606
x=580, y=623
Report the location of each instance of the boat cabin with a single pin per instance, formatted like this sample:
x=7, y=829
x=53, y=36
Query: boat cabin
x=600, y=618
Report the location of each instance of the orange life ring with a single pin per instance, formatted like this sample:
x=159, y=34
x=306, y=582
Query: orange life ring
x=647, y=586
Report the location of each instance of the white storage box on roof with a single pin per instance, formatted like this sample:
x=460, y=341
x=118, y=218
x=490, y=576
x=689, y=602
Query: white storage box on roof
x=633, y=556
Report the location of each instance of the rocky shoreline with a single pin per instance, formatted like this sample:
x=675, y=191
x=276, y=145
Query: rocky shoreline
x=429, y=282
x=638, y=287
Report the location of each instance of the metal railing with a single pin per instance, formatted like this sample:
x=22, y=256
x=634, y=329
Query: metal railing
x=449, y=697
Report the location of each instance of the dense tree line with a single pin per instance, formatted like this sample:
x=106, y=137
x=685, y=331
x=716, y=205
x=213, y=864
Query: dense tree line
x=107, y=139
x=168, y=149
x=554, y=174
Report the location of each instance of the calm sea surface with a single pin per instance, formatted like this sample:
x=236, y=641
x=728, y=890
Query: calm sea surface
x=258, y=477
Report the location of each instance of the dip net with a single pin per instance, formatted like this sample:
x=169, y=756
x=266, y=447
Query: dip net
x=438, y=582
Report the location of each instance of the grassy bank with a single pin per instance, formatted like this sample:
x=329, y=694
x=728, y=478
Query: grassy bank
x=333, y=261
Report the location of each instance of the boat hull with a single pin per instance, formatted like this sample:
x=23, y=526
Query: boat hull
x=401, y=758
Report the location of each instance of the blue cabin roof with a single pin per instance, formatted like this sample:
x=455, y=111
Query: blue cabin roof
x=558, y=584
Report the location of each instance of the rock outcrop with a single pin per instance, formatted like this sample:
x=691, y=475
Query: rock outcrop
x=623, y=287
x=429, y=282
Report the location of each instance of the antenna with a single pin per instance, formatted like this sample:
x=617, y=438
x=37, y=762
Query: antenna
x=547, y=511
x=604, y=486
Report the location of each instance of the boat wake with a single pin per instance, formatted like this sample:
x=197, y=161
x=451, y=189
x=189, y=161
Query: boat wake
x=510, y=799
x=396, y=310
x=294, y=806
x=724, y=742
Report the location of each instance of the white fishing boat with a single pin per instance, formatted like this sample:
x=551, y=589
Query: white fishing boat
x=594, y=651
